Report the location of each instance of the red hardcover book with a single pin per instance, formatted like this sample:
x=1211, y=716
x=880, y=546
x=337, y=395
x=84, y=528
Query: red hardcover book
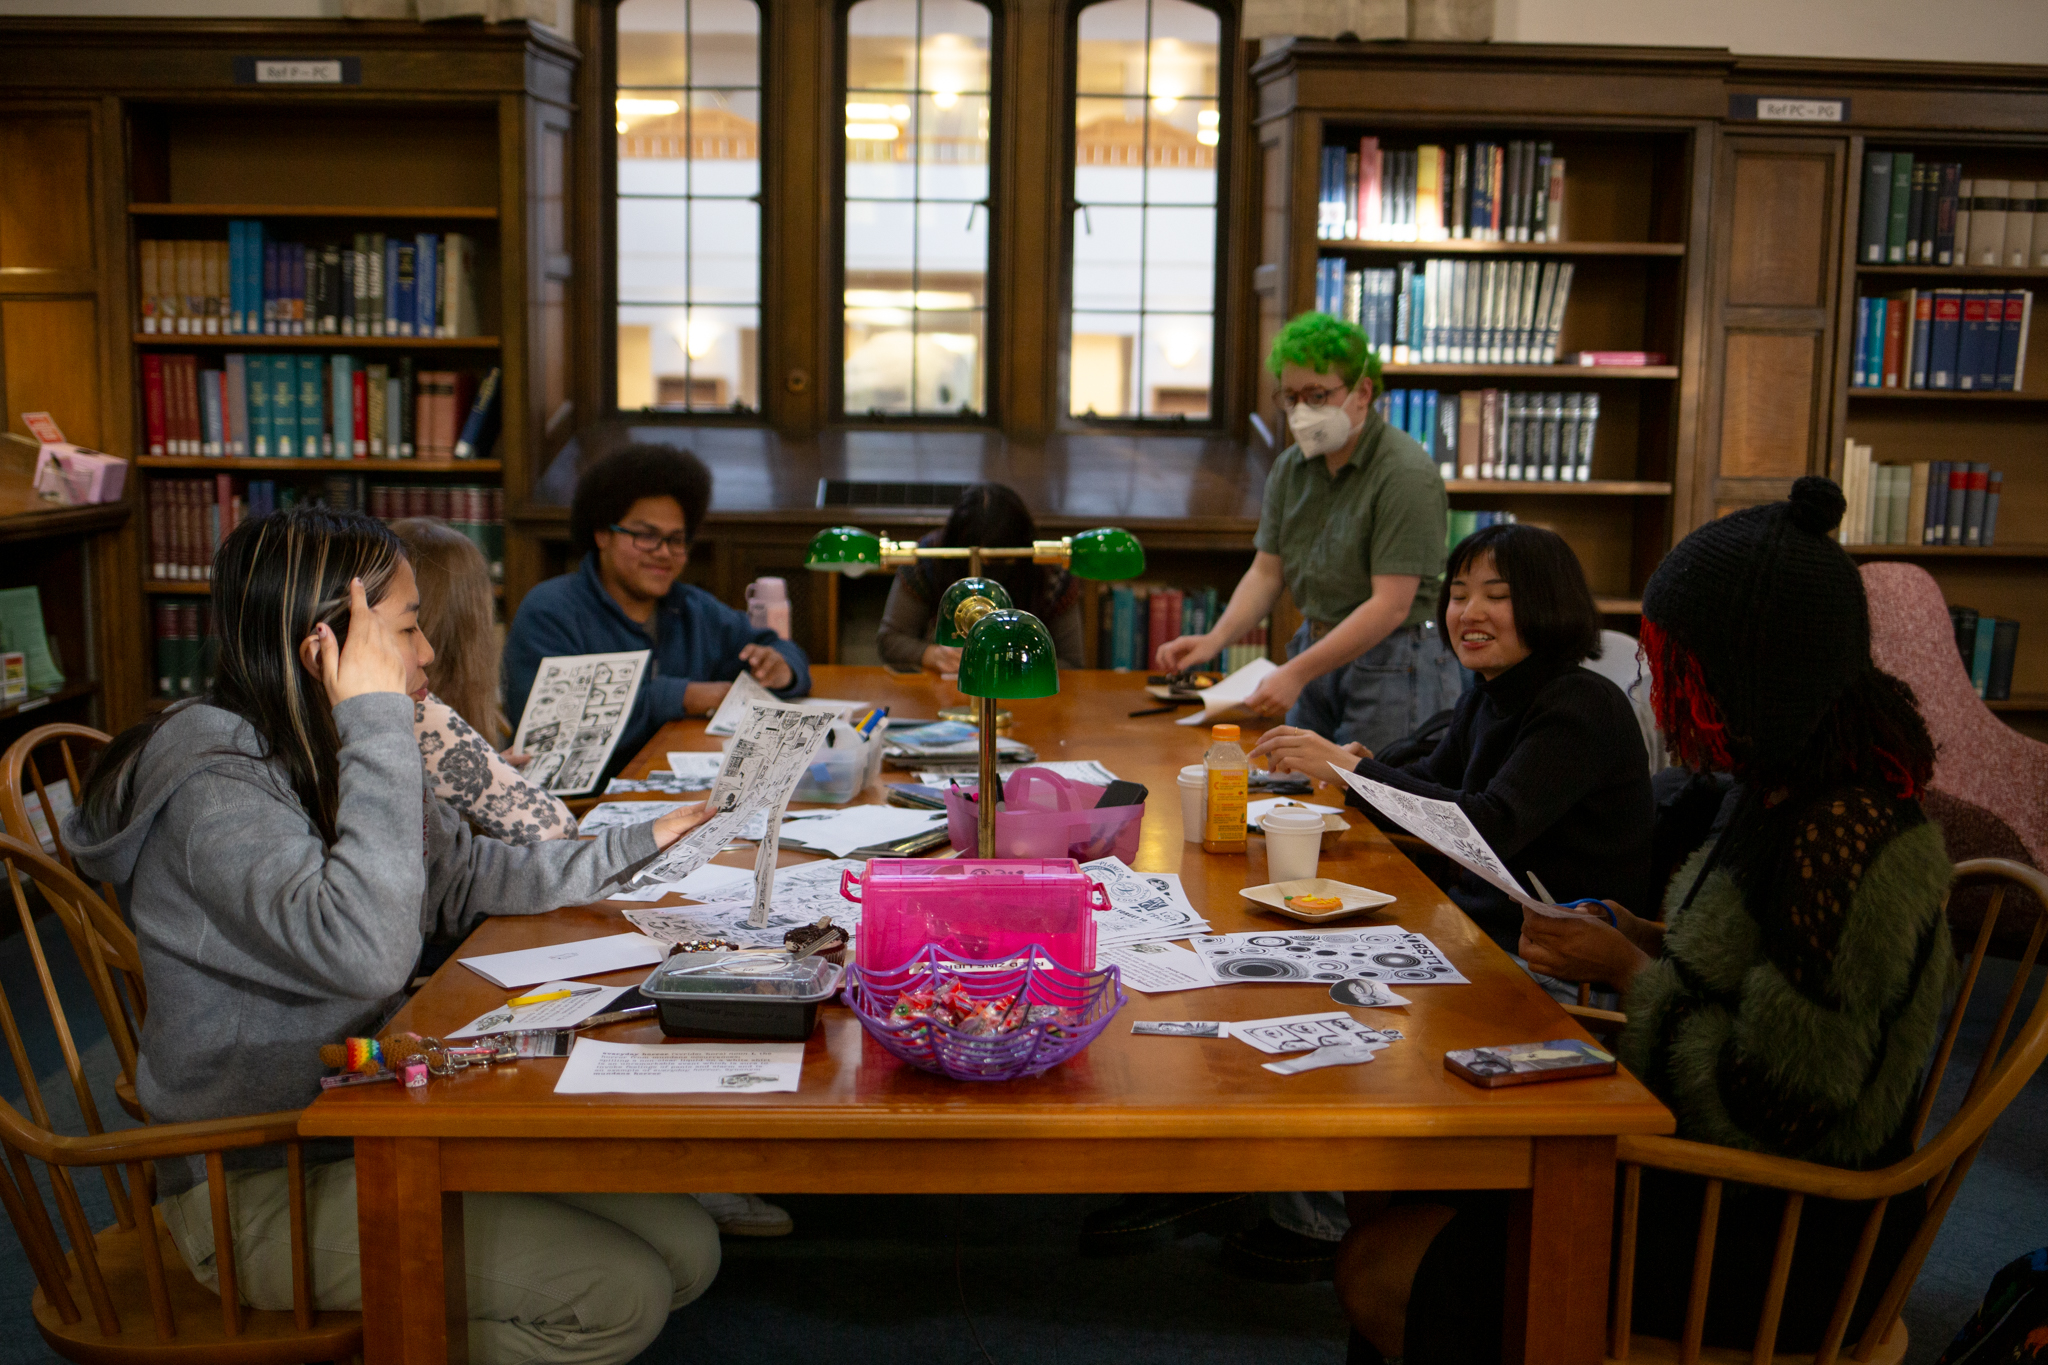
x=153, y=403
x=188, y=402
x=159, y=532
x=174, y=405
x=1894, y=340
x=175, y=492
x=224, y=500
x=1155, y=632
x=359, y=386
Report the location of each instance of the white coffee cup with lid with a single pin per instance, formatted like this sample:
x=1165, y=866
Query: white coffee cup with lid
x=1294, y=843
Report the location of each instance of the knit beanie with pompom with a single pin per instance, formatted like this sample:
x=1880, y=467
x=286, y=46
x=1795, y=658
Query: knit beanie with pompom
x=1773, y=611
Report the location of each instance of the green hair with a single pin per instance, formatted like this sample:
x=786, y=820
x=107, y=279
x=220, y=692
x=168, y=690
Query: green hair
x=1319, y=342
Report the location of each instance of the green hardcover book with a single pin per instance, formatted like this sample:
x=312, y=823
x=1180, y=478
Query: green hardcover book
x=311, y=406
x=1980, y=655
x=341, y=413
x=284, y=407
x=260, y=442
x=1901, y=208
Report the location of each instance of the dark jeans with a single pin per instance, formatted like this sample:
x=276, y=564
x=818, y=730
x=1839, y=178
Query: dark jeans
x=1384, y=693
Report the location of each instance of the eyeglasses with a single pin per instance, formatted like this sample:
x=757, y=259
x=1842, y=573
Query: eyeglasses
x=1313, y=398
x=651, y=542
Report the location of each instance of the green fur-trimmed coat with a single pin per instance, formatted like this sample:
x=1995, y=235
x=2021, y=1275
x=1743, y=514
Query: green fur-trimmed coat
x=1802, y=1029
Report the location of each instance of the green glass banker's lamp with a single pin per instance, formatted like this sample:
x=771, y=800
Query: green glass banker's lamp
x=1005, y=654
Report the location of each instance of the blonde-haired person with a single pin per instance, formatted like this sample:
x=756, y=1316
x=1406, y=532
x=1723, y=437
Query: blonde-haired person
x=460, y=723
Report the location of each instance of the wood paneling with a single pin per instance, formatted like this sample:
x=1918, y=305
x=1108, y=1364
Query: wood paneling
x=1779, y=252
x=1767, y=404
x=49, y=358
x=46, y=226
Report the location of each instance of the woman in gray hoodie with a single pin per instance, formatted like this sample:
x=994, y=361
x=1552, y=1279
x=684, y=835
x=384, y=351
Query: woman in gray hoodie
x=283, y=864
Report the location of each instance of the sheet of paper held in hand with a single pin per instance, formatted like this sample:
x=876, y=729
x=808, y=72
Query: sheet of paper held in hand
x=1226, y=699
x=802, y=894
x=574, y=715
x=596, y=1068
x=746, y=692
x=590, y=957
x=566, y=1012
x=1448, y=830
x=768, y=755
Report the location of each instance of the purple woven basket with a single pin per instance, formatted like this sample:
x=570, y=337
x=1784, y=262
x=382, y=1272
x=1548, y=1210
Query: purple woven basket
x=1086, y=1002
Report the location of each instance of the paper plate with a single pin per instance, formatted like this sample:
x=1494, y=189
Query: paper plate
x=1273, y=895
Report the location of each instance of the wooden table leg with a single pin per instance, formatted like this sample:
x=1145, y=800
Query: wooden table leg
x=1559, y=1246
x=415, y=1299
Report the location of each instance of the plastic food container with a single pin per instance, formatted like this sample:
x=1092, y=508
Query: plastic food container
x=974, y=908
x=772, y=996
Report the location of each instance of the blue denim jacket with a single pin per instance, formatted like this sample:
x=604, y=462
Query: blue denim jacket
x=694, y=636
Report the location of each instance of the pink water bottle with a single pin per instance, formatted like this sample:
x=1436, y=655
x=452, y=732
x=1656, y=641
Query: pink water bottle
x=768, y=605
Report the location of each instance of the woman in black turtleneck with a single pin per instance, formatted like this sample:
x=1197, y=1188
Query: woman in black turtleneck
x=1544, y=757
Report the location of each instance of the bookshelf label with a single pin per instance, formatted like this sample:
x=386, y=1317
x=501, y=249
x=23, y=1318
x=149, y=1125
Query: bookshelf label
x=1787, y=109
x=298, y=71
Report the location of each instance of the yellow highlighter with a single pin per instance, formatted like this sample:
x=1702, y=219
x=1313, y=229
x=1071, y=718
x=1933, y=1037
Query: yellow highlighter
x=551, y=995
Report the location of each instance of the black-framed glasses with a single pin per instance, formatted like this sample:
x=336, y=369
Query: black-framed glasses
x=648, y=542
x=1312, y=397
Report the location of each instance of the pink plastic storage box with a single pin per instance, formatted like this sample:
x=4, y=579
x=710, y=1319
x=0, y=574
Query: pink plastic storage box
x=983, y=909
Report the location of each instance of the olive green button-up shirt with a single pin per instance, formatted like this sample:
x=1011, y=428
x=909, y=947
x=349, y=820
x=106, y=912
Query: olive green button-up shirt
x=1381, y=513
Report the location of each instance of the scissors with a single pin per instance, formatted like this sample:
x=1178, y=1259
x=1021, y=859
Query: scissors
x=1601, y=905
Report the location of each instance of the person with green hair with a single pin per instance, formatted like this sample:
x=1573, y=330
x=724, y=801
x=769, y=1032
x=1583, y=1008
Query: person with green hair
x=1353, y=527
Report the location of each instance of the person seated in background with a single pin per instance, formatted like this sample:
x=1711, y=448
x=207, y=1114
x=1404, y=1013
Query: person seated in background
x=1353, y=528
x=987, y=514
x=1543, y=756
x=283, y=863
x=634, y=516
x=461, y=722
x=1790, y=999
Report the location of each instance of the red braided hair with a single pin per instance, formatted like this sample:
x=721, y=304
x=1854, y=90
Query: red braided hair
x=1686, y=712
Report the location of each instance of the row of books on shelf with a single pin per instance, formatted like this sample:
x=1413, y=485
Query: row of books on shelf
x=1542, y=437
x=316, y=406
x=188, y=517
x=185, y=648
x=1452, y=312
x=1474, y=191
x=250, y=285
x=1136, y=619
x=1459, y=523
x=1988, y=645
x=1933, y=502
x=1974, y=339
x=1922, y=212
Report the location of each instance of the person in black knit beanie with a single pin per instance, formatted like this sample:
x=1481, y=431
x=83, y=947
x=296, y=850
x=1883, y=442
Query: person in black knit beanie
x=1788, y=1003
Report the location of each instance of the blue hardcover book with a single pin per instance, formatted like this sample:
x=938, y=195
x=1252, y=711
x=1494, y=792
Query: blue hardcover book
x=2018, y=307
x=1922, y=324
x=1873, y=343
x=1974, y=369
x=269, y=289
x=425, y=270
x=1859, y=369
x=212, y=440
x=342, y=384
x=235, y=388
x=258, y=399
x=1426, y=427
x=1397, y=409
x=1994, y=485
x=1934, y=526
x=232, y=323
x=1980, y=657
x=312, y=410
x=1945, y=335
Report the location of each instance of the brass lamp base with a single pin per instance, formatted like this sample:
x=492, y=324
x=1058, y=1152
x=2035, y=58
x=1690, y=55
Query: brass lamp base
x=971, y=715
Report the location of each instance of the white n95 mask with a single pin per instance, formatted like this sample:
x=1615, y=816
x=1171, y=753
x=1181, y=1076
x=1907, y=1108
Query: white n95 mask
x=1320, y=430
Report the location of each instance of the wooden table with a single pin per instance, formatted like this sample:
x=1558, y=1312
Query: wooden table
x=1128, y=1114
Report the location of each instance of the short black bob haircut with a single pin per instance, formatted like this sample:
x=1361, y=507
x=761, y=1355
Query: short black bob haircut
x=610, y=487
x=1554, y=611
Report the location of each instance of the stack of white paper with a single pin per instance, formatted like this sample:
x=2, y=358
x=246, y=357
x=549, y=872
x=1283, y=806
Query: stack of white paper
x=1144, y=906
x=840, y=832
x=1156, y=968
x=567, y=1012
x=1225, y=700
x=591, y=957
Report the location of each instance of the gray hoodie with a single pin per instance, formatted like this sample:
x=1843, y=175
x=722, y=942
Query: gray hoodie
x=260, y=941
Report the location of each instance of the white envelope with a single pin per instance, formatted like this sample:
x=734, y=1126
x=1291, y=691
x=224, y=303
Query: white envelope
x=559, y=961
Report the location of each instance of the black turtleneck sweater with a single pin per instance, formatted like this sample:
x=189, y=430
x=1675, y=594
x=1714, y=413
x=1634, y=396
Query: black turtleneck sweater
x=1547, y=762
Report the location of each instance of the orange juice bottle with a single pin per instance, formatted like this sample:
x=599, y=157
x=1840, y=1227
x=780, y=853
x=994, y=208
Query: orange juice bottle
x=1228, y=776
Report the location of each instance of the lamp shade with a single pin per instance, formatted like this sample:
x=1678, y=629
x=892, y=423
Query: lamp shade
x=845, y=549
x=1009, y=654
x=1106, y=555
x=949, y=633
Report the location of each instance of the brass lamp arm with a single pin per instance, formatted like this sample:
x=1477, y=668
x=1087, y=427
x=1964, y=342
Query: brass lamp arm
x=896, y=553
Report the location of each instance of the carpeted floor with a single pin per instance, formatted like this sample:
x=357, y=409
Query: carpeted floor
x=992, y=1279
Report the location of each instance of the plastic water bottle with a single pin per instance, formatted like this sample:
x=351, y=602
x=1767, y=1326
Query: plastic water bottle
x=768, y=605
x=1228, y=773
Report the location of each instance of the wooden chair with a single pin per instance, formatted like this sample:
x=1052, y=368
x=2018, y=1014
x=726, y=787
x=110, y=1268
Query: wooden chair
x=130, y=1274
x=1934, y=1172
x=91, y=920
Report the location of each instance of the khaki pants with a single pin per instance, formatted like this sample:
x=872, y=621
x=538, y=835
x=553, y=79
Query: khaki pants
x=583, y=1278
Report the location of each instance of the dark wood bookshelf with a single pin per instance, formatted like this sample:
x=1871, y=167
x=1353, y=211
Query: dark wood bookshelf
x=1947, y=395
x=1959, y=272
x=1618, y=488
x=325, y=341
x=1538, y=371
x=70, y=691
x=1948, y=551
x=385, y=211
x=1459, y=246
x=280, y=465
x=2021, y=701
x=40, y=523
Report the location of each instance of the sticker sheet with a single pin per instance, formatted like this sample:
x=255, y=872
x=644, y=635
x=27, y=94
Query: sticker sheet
x=1298, y=1032
x=1385, y=953
x=574, y=716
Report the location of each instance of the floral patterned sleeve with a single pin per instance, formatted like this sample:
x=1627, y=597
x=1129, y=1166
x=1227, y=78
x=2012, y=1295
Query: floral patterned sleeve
x=466, y=772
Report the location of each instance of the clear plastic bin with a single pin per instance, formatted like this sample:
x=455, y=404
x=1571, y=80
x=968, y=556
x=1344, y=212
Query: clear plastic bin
x=983, y=909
